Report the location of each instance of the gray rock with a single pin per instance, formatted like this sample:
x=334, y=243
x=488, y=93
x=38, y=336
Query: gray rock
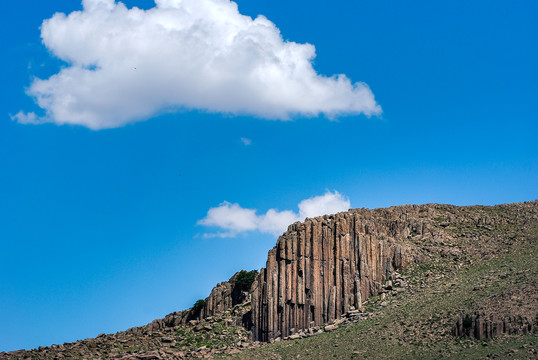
x=331, y=327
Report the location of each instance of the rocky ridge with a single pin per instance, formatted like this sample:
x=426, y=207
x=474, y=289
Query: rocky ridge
x=473, y=260
x=331, y=271
x=323, y=267
x=216, y=327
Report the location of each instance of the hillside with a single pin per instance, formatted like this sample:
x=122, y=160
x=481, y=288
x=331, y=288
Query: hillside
x=414, y=281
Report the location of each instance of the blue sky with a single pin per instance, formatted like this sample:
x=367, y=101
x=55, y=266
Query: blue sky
x=102, y=220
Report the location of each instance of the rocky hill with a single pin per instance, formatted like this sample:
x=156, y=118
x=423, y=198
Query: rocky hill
x=324, y=267
x=403, y=282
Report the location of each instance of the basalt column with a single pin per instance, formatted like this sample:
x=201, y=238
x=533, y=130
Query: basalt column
x=322, y=267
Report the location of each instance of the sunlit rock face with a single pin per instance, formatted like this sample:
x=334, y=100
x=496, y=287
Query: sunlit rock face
x=325, y=266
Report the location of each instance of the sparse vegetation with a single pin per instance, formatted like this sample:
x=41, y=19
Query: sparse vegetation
x=500, y=257
x=487, y=259
x=245, y=279
x=199, y=304
x=214, y=336
x=418, y=326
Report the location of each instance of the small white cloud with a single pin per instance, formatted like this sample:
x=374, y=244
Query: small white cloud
x=330, y=203
x=126, y=65
x=27, y=118
x=246, y=141
x=234, y=219
x=231, y=217
x=276, y=222
x=220, y=234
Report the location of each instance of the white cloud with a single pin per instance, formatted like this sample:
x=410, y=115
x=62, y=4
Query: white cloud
x=231, y=217
x=276, y=222
x=25, y=118
x=330, y=203
x=234, y=219
x=246, y=141
x=126, y=65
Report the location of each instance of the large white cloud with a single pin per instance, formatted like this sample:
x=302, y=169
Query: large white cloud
x=125, y=65
x=233, y=219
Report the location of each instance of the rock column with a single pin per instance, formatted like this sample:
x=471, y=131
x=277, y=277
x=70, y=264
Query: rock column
x=322, y=267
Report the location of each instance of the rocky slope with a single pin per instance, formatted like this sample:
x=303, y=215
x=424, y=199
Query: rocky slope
x=473, y=295
x=323, y=267
x=215, y=326
x=343, y=269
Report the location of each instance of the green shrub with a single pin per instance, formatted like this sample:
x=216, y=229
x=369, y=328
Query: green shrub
x=199, y=304
x=245, y=279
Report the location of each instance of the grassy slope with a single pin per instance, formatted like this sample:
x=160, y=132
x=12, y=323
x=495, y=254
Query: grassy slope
x=417, y=324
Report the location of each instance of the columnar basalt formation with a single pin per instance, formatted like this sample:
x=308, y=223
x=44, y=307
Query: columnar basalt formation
x=512, y=311
x=323, y=267
x=218, y=301
x=482, y=325
x=224, y=296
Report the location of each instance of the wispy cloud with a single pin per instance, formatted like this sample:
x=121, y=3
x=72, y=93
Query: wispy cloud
x=232, y=219
x=246, y=141
x=126, y=65
x=25, y=118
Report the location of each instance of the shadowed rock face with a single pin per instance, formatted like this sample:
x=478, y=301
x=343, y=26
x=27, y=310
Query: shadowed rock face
x=225, y=296
x=482, y=325
x=513, y=311
x=323, y=267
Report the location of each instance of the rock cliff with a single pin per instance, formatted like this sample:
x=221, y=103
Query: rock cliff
x=228, y=294
x=224, y=296
x=323, y=267
x=474, y=275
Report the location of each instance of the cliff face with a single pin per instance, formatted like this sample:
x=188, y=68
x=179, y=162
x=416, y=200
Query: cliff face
x=323, y=267
x=318, y=270
x=227, y=295
x=224, y=296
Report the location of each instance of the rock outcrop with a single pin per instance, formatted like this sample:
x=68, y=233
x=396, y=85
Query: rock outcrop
x=322, y=270
x=481, y=325
x=219, y=326
x=226, y=295
x=323, y=267
x=512, y=311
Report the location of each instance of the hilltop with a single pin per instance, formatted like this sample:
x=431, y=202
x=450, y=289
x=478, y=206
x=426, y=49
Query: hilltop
x=413, y=281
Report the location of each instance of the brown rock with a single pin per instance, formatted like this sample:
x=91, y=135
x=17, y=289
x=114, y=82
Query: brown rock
x=153, y=355
x=323, y=267
x=331, y=327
